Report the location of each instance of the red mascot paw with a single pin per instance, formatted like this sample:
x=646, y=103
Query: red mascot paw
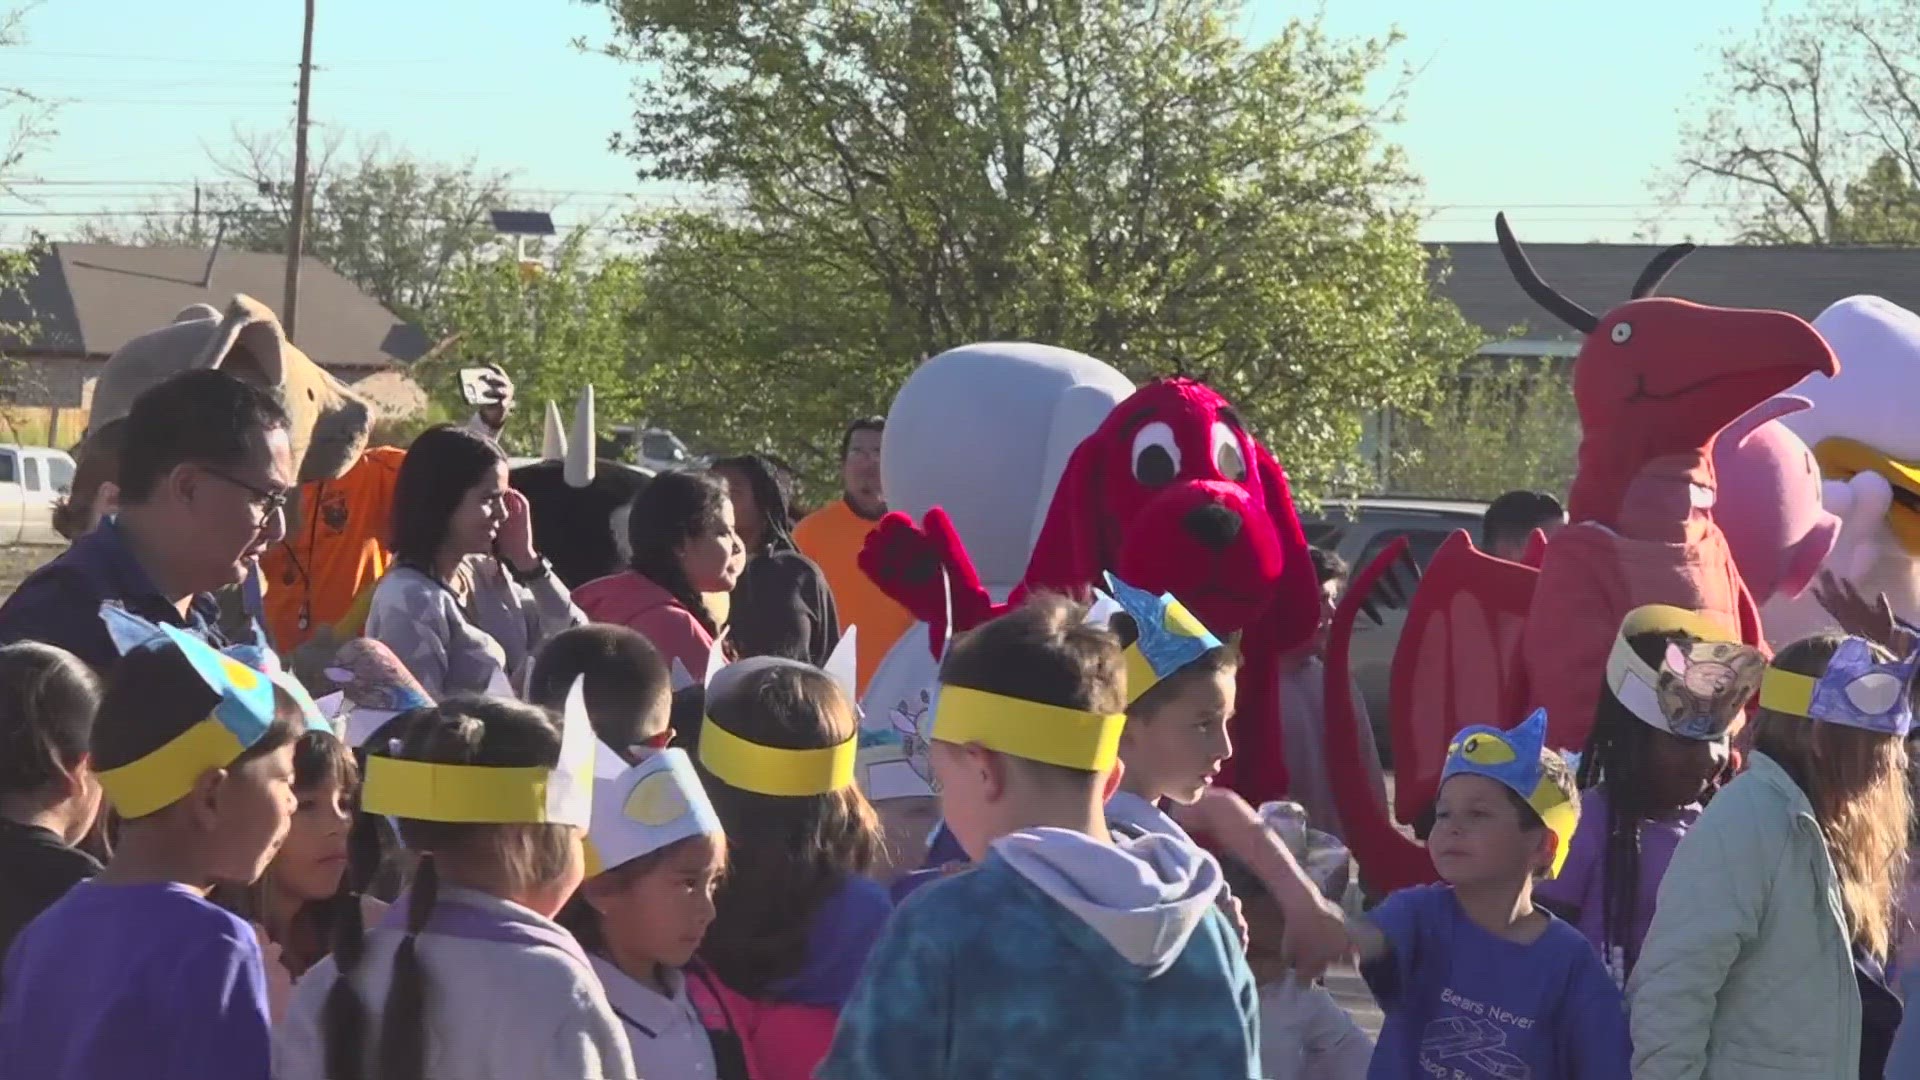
x=907, y=562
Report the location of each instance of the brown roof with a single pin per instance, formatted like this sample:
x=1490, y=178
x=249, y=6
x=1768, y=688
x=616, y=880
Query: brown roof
x=1800, y=279
x=90, y=299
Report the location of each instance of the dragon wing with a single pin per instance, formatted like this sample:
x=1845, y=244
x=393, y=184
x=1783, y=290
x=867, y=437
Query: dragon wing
x=1457, y=663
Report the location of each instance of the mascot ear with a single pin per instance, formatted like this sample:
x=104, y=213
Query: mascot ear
x=1071, y=550
x=1295, y=611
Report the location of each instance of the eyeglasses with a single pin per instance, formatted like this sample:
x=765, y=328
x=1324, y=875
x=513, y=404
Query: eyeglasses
x=267, y=502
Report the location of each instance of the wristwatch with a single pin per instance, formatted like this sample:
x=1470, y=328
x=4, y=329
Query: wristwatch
x=541, y=568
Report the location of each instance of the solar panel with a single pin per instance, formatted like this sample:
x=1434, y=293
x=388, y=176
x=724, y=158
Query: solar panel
x=523, y=222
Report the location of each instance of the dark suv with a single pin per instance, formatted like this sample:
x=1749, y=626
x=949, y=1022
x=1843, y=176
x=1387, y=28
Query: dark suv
x=1358, y=531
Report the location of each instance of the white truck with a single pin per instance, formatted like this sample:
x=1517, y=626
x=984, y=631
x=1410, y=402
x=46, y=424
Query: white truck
x=31, y=479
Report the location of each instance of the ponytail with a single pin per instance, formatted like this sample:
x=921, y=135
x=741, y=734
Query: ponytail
x=403, y=1040
x=343, y=1019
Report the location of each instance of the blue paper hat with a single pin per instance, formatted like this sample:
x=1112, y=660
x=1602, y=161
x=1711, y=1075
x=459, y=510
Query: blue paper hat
x=1857, y=690
x=130, y=631
x=1170, y=637
x=1513, y=758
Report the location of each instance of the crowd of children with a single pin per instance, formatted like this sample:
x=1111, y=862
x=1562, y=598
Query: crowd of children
x=609, y=882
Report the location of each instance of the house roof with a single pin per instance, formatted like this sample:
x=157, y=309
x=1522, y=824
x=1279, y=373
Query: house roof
x=1803, y=279
x=90, y=299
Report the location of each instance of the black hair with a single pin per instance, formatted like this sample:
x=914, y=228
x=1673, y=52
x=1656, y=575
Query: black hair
x=677, y=506
x=154, y=696
x=1512, y=516
x=865, y=423
x=1224, y=658
x=462, y=730
x=1328, y=566
x=48, y=698
x=583, y=921
x=204, y=417
x=770, y=495
x=441, y=466
x=1043, y=651
x=627, y=680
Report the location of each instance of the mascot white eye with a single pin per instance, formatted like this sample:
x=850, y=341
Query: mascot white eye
x=1156, y=457
x=1621, y=332
x=1227, y=455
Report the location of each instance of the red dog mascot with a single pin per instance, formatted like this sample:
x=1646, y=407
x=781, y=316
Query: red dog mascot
x=1171, y=494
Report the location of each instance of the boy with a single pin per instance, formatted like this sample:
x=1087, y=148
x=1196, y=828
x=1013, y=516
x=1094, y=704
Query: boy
x=1473, y=978
x=135, y=973
x=629, y=687
x=1101, y=957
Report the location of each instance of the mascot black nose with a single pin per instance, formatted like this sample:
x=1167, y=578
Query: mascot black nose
x=1213, y=525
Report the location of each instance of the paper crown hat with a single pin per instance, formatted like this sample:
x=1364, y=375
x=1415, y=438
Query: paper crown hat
x=643, y=808
x=774, y=770
x=244, y=712
x=374, y=688
x=1169, y=636
x=492, y=794
x=1705, y=678
x=1513, y=758
x=1857, y=690
x=892, y=760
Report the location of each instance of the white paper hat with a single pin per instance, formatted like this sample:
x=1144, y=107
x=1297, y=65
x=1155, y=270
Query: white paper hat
x=645, y=808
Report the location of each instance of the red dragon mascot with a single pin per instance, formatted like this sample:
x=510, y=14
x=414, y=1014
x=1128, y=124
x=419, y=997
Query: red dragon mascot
x=1171, y=494
x=1486, y=641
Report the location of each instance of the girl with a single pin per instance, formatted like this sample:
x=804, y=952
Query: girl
x=468, y=976
x=296, y=904
x=642, y=919
x=1649, y=765
x=796, y=916
x=1777, y=908
x=781, y=605
x=684, y=544
x=468, y=601
x=48, y=795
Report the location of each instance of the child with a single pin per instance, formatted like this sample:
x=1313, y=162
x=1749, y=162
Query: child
x=1473, y=978
x=1063, y=952
x=136, y=973
x=659, y=852
x=1777, y=908
x=796, y=916
x=49, y=797
x=468, y=975
x=1675, y=684
x=628, y=686
x=296, y=904
x=1304, y=1033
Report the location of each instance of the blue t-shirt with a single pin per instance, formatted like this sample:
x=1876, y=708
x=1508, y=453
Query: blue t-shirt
x=1463, y=1004
x=147, y=981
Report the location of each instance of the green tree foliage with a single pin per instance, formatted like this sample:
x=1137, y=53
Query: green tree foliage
x=1496, y=427
x=1129, y=180
x=555, y=325
x=397, y=227
x=1810, y=126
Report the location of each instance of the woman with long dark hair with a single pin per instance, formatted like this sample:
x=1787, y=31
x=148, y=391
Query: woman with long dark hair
x=683, y=541
x=468, y=601
x=781, y=605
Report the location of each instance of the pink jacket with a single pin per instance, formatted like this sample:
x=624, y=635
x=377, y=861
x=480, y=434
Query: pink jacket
x=781, y=1041
x=631, y=600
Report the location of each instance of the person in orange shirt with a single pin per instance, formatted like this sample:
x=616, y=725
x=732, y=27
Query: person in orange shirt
x=832, y=537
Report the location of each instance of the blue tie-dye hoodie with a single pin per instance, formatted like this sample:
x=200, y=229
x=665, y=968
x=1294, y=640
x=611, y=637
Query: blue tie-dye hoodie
x=1059, y=955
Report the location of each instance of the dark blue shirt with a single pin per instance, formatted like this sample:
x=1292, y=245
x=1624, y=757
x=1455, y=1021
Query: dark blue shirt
x=59, y=604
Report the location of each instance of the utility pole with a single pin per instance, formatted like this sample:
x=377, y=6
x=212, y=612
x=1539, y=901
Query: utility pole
x=196, y=209
x=297, y=229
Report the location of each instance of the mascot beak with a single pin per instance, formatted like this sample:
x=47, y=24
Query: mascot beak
x=553, y=444
x=580, y=442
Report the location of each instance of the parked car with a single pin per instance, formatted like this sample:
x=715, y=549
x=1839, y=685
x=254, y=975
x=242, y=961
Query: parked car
x=1358, y=531
x=32, y=478
x=652, y=448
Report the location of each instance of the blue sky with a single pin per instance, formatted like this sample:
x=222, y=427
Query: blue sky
x=1560, y=112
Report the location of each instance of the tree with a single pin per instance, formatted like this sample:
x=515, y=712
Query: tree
x=1816, y=109
x=395, y=226
x=26, y=123
x=554, y=326
x=1130, y=181
x=1491, y=430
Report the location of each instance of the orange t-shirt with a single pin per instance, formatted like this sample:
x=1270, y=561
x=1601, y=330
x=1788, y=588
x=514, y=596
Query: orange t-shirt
x=337, y=550
x=832, y=537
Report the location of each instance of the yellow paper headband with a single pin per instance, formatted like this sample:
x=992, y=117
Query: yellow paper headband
x=1028, y=729
x=158, y=780
x=492, y=794
x=773, y=770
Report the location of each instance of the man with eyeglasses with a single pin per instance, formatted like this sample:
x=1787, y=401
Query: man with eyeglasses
x=206, y=469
